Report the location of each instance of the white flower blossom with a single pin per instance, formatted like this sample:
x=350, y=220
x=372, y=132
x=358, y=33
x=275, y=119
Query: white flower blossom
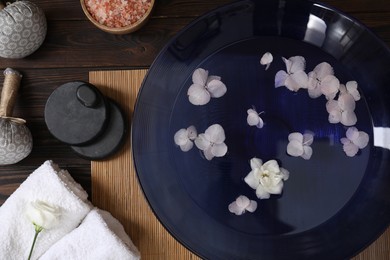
x=205, y=87
x=184, y=138
x=294, y=77
x=323, y=81
x=266, y=60
x=212, y=142
x=266, y=178
x=354, y=141
x=254, y=119
x=342, y=110
x=241, y=205
x=42, y=214
x=299, y=145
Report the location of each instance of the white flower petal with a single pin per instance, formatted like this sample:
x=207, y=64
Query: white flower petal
x=307, y=152
x=308, y=138
x=285, y=174
x=348, y=118
x=296, y=136
x=275, y=189
x=266, y=59
x=332, y=105
x=313, y=86
x=215, y=133
x=362, y=140
x=260, y=124
x=219, y=150
x=334, y=117
x=346, y=102
x=330, y=86
x=253, y=118
x=298, y=63
x=288, y=64
x=235, y=209
x=342, y=89
x=272, y=166
x=212, y=77
x=295, y=148
x=352, y=133
x=198, y=95
x=350, y=149
x=352, y=89
x=202, y=142
x=191, y=132
x=208, y=154
x=200, y=76
x=297, y=80
x=345, y=140
x=251, y=180
x=252, y=206
x=181, y=137
x=256, y=163
x=280, y=78
x=242, y=201
x=261, y=193
x=187, y=146
x=216, y=88
x=323, y=69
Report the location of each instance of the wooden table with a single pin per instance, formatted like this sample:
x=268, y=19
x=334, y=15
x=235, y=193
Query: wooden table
x=73, y=47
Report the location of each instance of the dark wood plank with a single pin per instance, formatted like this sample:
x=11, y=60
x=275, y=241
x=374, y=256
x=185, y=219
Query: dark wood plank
x=71, y=9
x=72, y=44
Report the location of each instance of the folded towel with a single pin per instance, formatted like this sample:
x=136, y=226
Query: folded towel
x=99, y=236
x=53, y=186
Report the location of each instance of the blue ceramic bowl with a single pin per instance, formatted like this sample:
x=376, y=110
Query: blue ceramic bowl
x=333, y=205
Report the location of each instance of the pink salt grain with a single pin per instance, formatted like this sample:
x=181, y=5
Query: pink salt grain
x=117, y=13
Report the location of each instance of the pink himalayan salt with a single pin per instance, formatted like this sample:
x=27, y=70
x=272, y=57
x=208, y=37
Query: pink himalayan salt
x=117, y=13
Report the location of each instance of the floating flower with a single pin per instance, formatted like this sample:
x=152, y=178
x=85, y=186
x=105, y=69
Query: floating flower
x=241, y=205
x=299, y=145
x=342, y=110
x=354, y=141
x=205, y=87
x=266, y=178
x=351, y=89
x=212, y=142
x=42, y=216
x=254, y=118
x=294, y=77
x=323, y=81
x=266, y=60
x=184, y=138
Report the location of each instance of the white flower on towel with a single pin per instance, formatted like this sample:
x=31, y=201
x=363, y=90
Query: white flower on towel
x=43, y=216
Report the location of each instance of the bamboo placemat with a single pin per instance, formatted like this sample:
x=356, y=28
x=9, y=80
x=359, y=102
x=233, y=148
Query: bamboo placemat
x=115, y=187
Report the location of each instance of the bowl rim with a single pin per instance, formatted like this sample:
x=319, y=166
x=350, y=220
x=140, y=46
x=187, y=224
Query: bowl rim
x=119, y=30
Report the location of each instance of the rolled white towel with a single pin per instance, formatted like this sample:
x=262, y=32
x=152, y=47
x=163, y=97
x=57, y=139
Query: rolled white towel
x=53, y=186
x=99, y=236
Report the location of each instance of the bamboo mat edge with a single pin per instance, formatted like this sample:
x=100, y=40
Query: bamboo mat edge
x=115, y=186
